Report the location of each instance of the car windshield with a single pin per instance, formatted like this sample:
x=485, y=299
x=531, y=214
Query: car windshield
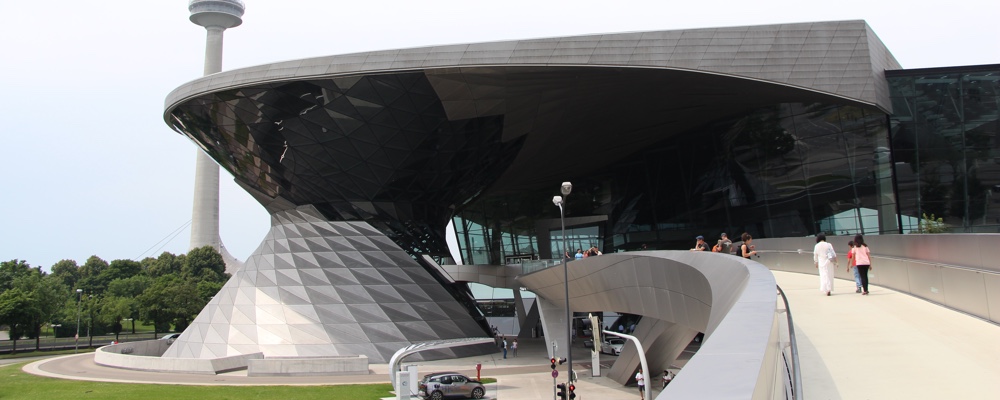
x=616, y=341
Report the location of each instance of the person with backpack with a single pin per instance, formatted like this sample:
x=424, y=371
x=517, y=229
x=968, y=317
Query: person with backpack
x=747, y=249
x=724, y=245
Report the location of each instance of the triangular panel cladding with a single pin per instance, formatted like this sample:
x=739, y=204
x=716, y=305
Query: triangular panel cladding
x=316, y=287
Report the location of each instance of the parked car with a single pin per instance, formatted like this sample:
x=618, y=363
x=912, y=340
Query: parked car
x=613, y=346
x=588, y=343
x=171, y=337
x=450, y=384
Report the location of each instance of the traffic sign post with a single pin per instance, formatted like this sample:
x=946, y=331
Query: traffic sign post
x=555, y=374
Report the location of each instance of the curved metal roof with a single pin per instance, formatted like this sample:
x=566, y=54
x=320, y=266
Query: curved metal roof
x=840, y=58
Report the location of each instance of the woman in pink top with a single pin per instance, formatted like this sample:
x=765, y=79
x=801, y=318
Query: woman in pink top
x=862, y=260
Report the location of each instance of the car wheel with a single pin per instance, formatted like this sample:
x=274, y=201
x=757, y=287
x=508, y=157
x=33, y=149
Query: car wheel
x=437, y=395
x=478, y=393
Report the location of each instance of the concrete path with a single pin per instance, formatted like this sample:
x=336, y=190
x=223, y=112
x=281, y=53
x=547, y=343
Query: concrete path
x=888, y=345
x=885, y=345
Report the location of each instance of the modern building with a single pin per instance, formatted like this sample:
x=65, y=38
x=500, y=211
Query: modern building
x=363, y=160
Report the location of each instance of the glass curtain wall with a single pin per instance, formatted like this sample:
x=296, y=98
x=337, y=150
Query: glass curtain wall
x=495, y=239
x=580, y=238
x=791, y=169
x=944, y=144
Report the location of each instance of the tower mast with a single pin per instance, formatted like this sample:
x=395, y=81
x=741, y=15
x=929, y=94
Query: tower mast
x=215, y=16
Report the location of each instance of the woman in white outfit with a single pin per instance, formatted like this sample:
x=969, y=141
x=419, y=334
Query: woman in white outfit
x=825, y=259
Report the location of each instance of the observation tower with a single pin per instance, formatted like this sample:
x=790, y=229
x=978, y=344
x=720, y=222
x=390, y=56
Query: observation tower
x=216, y=16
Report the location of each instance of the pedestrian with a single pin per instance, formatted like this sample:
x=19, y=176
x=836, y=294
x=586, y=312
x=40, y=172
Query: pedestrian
x=579, y=254
x=505, y=348
x=513, y=348
x=825, y=260
x=699, y=244
x=640, y=380
x=862, y=261
x=746, y=249
x=852, y=266
x=724, y=245
x=667, y=377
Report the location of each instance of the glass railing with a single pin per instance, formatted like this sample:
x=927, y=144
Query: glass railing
x=529, y=266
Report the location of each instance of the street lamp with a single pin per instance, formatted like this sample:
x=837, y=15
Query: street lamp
x=566, y=188
x=90, y=320
x=79, y=300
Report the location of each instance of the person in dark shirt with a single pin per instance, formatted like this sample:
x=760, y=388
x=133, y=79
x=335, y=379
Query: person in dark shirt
x=699, y=244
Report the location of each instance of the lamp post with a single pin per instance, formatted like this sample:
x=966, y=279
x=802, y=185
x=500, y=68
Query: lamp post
x=79, y=300
x=90, y=321
x=566, y=188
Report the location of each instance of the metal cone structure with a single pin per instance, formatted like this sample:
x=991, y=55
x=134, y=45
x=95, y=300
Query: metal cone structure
x=321, y=288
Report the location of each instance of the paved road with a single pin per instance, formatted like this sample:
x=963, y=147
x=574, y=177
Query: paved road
x=883, y=346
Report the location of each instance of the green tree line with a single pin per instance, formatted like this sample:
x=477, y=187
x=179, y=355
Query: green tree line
x=162, y=291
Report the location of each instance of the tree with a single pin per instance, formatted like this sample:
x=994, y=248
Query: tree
x=10, y=271
x=121, y=269
x=113, y=310
x=90, y=316
x=931, y=225
x=207, y=290
x=48, y=294
x=16, y=312
x=31, y=300
x=67, y=271
x=129, y=287
x=91, y=279
x=126, y=292
x=170, y=298
x=166, y=263
x=204, y=263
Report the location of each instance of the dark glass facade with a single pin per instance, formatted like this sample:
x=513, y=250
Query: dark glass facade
x=788, y=169
x=656, y=157
x=376, y=148
x=945, y=148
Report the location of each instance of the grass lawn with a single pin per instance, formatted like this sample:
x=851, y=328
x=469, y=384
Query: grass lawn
x=16, y=384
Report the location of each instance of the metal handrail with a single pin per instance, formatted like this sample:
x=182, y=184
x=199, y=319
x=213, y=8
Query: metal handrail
x=796, y=374
x=910, y=260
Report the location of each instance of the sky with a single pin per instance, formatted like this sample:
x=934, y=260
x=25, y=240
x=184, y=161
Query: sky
x=92, y=169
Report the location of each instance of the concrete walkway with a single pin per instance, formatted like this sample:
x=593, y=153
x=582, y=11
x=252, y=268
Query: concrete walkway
x=885, y=345
x=888, y=345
